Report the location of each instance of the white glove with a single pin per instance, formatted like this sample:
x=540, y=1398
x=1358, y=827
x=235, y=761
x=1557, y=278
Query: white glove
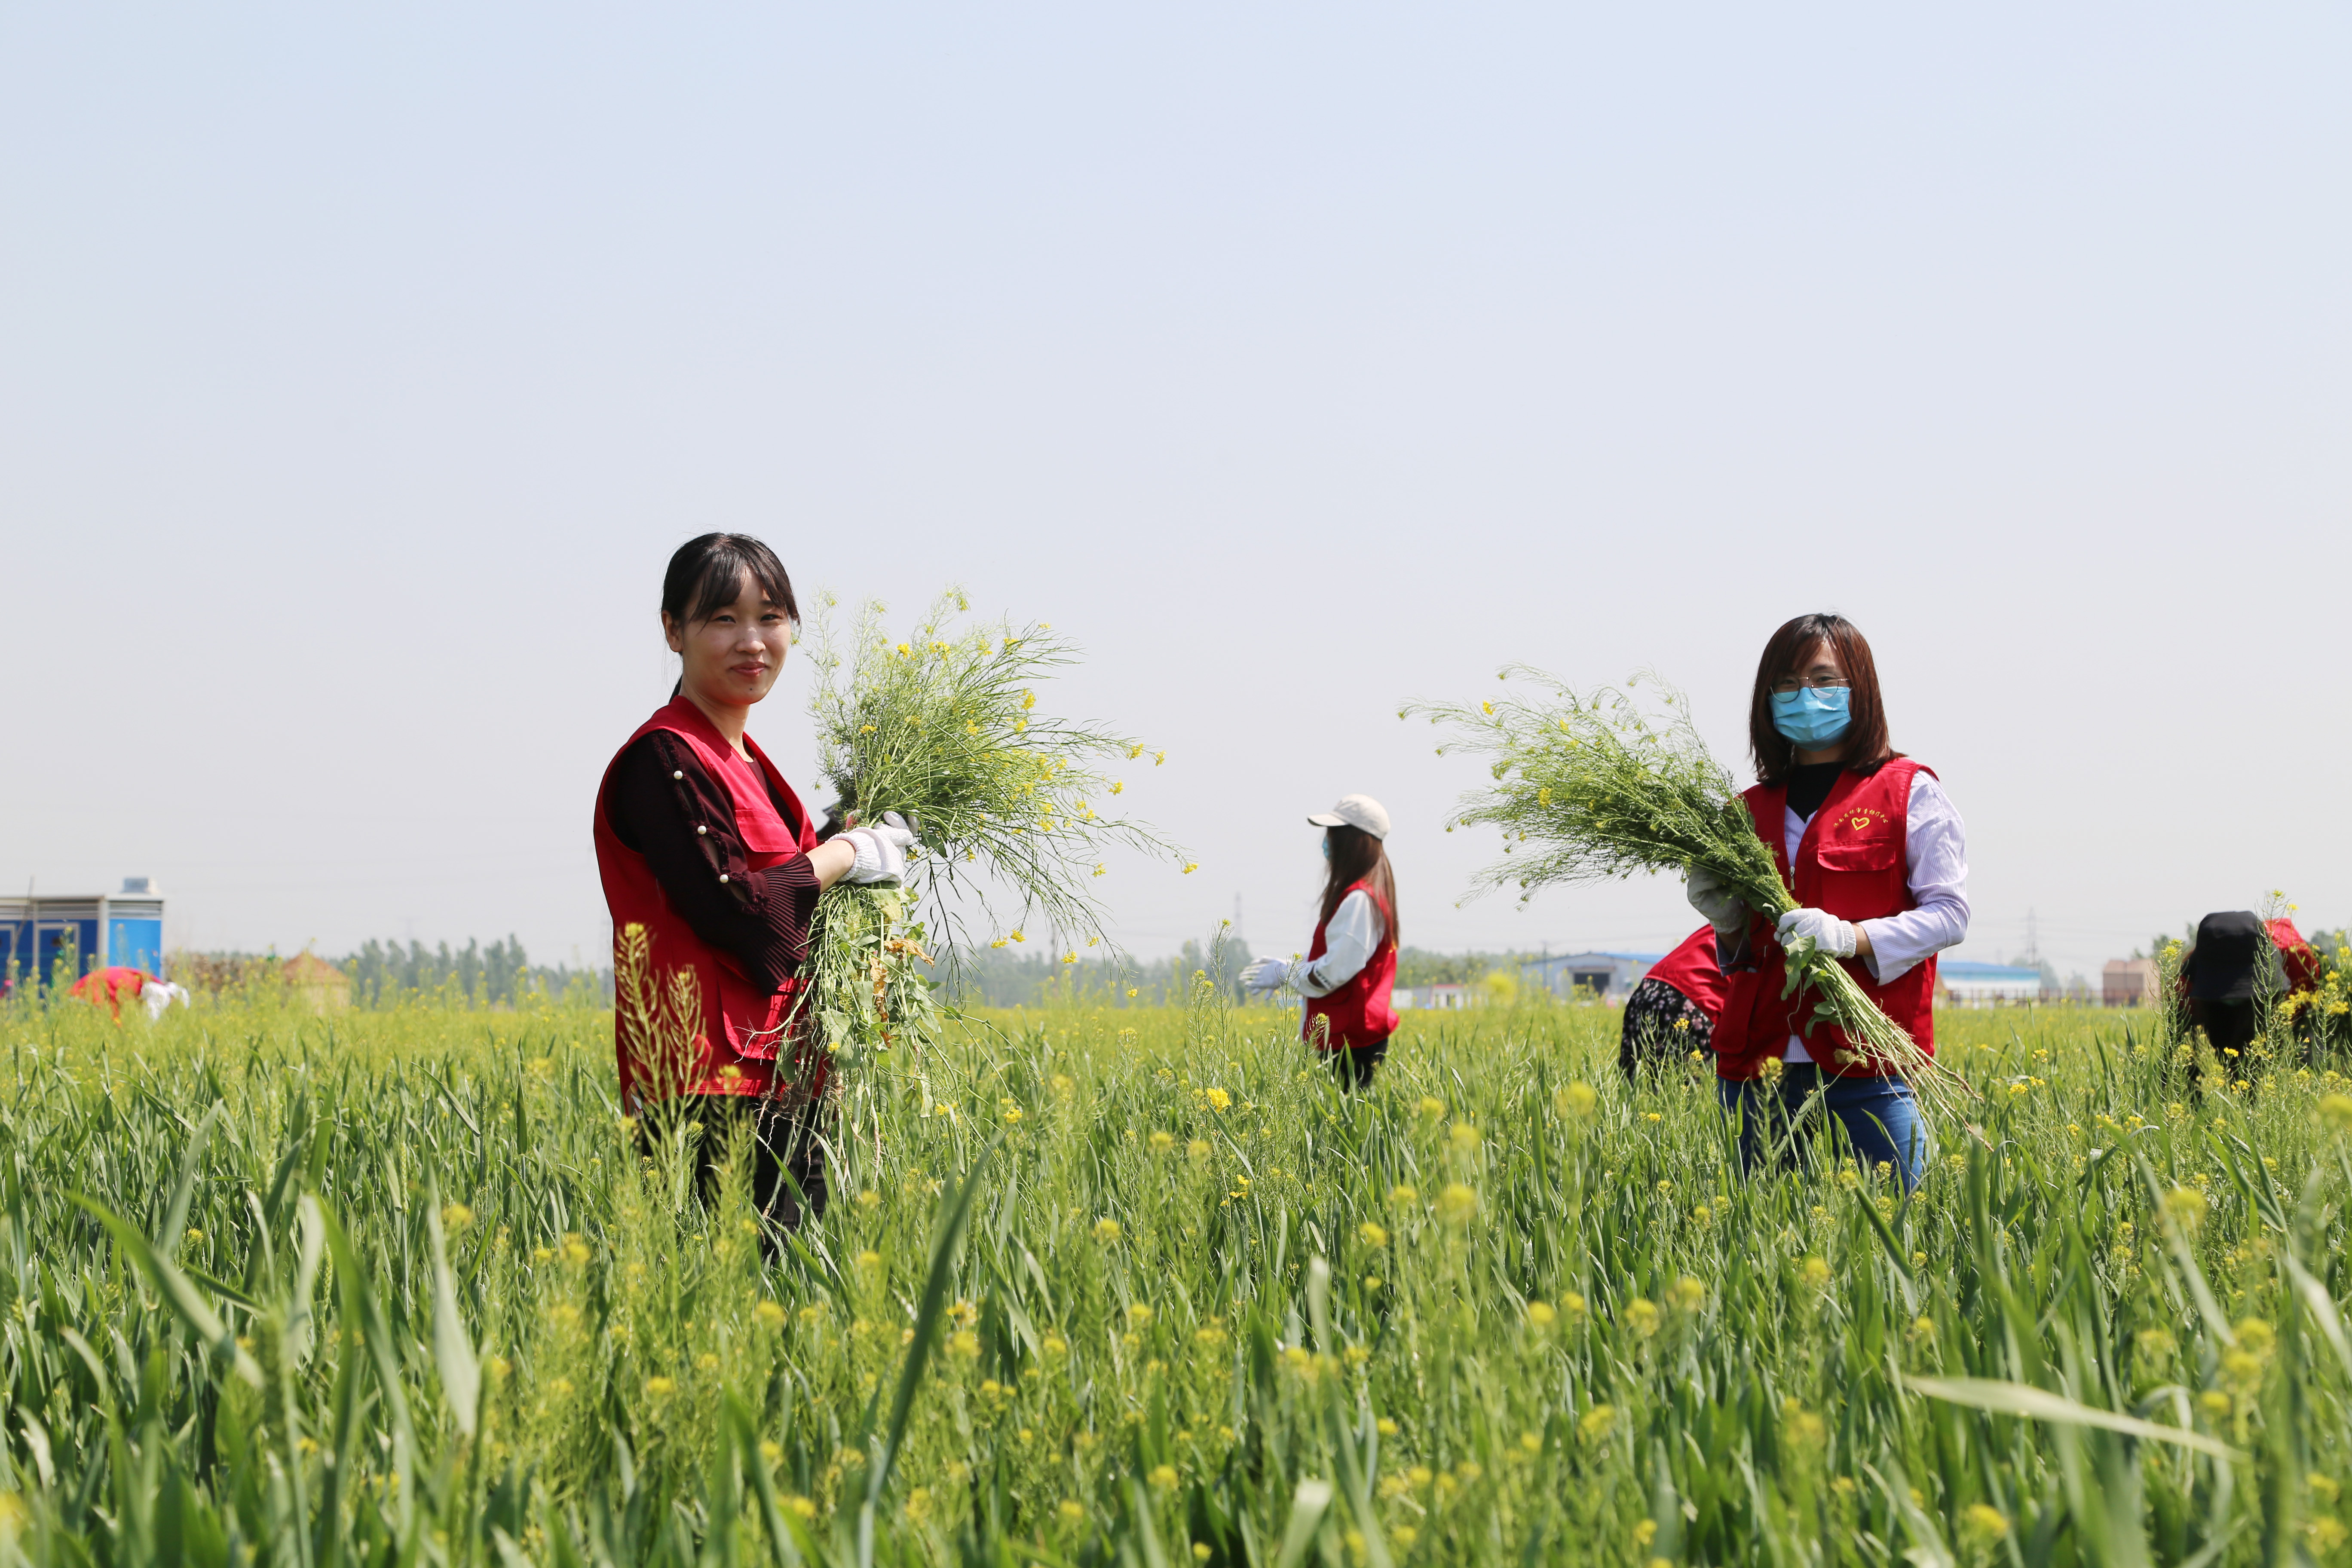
x=881, y=852
x=1830, y=934
x=1266, y=975
x=1711, y=896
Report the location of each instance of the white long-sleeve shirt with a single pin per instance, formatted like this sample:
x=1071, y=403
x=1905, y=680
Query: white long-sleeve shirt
x=1353, y=934
x=1936, y=870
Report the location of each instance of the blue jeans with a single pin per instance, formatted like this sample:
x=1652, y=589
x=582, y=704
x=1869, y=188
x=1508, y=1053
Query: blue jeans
x=1880, y=1117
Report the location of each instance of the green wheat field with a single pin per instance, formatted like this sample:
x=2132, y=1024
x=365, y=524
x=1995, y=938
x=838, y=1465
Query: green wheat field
x=1140, y=1286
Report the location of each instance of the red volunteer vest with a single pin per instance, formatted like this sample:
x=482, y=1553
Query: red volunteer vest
x=1850, y=863
x=110, y=986
x=1692, y=969
x=742, y=1024
x=1359, y=1012
x=2303, y=970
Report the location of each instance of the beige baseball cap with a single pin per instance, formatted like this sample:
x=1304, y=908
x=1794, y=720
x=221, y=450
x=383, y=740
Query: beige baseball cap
x=1355, y=811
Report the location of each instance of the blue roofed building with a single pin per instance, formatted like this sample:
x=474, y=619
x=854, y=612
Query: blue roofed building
x=89, y=930
x=1961, y=983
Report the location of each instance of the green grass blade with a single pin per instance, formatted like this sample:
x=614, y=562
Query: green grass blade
x=175, y=1218
x=2001, y=1398
x=954, y=1212
x=1308, y=1505
x=188, y=1303
x=461, y=1373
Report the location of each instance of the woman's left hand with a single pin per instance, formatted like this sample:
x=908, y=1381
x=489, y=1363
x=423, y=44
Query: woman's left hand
x=881, y=851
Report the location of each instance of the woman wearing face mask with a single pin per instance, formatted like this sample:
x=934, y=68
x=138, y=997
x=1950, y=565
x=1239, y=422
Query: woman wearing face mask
x=1871, y=846
x=701, y=842
x=1350, y=970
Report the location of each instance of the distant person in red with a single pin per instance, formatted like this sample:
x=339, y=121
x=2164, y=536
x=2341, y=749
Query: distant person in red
x=2296, y=956
x=1349, y=974
x=701, y=842
x=116, y=984
x=1671, y=1013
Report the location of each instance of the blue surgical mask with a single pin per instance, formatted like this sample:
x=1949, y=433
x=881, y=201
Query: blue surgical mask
x=1326, y=847
x=1813, y=716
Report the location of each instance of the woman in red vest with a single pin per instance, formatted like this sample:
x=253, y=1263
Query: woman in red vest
x=1671, y=1014
x=1350, y=970
x=701, y=842
x=1871, y=846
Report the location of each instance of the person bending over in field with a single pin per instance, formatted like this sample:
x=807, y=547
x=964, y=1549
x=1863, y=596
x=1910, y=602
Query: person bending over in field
x=705, y=850
x=1870, y=846
x=1670, y=1018
x=1350, y=970
x=2232, y=978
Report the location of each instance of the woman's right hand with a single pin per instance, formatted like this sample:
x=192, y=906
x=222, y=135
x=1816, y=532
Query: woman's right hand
x=1266, y=975
x=1713, y=897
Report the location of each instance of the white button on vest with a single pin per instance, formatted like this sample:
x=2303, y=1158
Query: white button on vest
x=677, y=774
x=699, y=828
x=722, y=876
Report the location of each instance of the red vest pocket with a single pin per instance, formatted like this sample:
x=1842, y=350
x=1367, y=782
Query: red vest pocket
x=1881, y=854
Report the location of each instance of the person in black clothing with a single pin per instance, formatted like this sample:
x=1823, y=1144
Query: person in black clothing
x=2233, y=965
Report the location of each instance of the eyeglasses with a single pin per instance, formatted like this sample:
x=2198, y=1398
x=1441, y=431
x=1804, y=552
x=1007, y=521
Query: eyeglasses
x=1812, y=683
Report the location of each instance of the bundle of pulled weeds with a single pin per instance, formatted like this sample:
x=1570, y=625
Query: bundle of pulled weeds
x=1010, y=802
x=1591, y=788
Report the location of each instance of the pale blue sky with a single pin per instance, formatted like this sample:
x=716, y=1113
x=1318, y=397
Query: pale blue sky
x=359, y=367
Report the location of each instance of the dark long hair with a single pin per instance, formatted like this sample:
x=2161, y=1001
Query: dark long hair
x=707, y=574
x=1866, y=743
x=1358, y=856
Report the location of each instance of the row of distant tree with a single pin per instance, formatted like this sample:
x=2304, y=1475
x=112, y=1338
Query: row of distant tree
x=387, y=973
x=1000, y=977
x=384, y=973
x=501, y=975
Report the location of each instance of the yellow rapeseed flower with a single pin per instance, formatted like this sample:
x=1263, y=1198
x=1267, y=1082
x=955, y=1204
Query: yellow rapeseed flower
x=1981, y=1525
x=2186, y=1209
